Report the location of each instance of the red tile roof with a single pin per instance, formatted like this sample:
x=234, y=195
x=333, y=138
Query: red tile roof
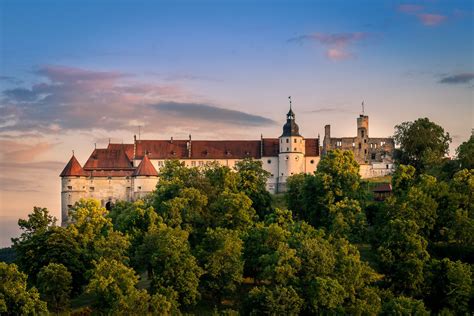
x=128, y=148
x=270, y=147
x=104, y=159
x=311, y=147
x=225, y=149
x=73, y=168
x=383, y=187
x=145, y=168
x=162, y=149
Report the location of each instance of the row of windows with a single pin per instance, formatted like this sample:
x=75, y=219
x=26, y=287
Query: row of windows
x=372, y=145
x=294, y=141
x=288, y=157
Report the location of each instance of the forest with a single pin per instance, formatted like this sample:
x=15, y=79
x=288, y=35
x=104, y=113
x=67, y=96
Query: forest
x=211, y=240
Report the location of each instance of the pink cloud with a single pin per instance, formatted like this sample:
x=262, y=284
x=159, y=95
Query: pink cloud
x=409, y=8
x=337, y=54
x=431, y=19
x=337, y=43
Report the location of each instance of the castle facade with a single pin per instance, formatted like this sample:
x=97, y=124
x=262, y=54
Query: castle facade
x=130, y=171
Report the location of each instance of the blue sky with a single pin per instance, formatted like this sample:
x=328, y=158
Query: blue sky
x=75, y=73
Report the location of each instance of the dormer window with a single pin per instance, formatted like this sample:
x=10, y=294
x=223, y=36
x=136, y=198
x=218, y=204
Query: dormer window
x=287, y=140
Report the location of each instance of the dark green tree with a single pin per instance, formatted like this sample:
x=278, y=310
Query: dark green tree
x=278, y=300
x=166, y=254
x=55, y=285
x=404, y=306
x=15, y=297
x=422, y=144
x=220, y=254
x=465, y=153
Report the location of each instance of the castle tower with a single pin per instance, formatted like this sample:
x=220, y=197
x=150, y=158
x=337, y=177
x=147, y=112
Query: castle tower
x=73, y=187
x=144, y=178
x=363, y=137
x=291, y=151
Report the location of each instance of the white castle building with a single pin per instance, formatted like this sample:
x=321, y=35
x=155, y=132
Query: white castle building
x=130, y=171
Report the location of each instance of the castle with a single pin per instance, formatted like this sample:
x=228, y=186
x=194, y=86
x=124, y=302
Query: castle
x=131, y=171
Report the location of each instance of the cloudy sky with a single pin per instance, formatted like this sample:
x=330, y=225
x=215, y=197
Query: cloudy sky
x=75, y=73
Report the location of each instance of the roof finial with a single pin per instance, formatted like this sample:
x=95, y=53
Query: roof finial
x=363, y=111
x=289, y=98
x=73, y=152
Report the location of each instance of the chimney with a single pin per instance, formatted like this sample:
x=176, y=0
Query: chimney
x=171, y=141
x=189, y=146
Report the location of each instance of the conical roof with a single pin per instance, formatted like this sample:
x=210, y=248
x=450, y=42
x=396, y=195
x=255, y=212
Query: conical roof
x=145, y=168
x=73, y=168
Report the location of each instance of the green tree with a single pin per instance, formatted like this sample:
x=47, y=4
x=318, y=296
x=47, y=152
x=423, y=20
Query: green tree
x=167, y=256
x=404, y=306
x=278, y=300
x=402, y=256
x=55, y=285
x=55, y=245
x=450, y=286
x=15, y=298
x=233, y=210
x=347, y=220
x=113, y=287
x=422, y=144
x=252, y=180
x=336, y=178
x=220, y=254
x=465, y=153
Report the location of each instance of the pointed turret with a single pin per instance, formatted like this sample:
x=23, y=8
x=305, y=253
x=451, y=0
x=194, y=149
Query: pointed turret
x=73, y=169
x=290, y=128
x=145, y=168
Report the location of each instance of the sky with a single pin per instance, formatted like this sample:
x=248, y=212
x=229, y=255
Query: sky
x=78, y=73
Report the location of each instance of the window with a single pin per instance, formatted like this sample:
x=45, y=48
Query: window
x=287, y=157
x=373, y=156
x=365, y=141
x=110, y=178
x=362, y=133
x=272, y=175
x=287, y=140
x=387, y=166
x=91, y=188
x=296, y=158
x=160, y=163
x=292, y=173
x=282, y=173
x=69, y=206
x=311, y=162
x=360, y=145
x=269, y=161
x=193, y=164
x=201, y=163
x=139, y=188
x=371, y=145
x=294, y=149
x=294, y=141
x=353, y=144
x=365, y=151
x=339, y=143
x=287, y=149
x=382, y=143
x=69, y=187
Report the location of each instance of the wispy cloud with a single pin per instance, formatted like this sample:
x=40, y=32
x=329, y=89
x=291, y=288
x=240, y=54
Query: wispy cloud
x=427, y=19
x=409, y=8
x=336, y=43
x=430, y=19
x=11, y=80
x=212, y=113
x=16, y=151
x=458, y=78
x=68, y=98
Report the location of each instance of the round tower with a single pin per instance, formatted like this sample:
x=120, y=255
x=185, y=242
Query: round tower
x=73, y=187
x=363, y=137
x=291, y=151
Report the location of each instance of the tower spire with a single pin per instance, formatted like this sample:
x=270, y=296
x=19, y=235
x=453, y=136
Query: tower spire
x=289, y=98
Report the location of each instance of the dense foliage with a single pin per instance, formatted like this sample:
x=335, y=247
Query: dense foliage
x=209, y=240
